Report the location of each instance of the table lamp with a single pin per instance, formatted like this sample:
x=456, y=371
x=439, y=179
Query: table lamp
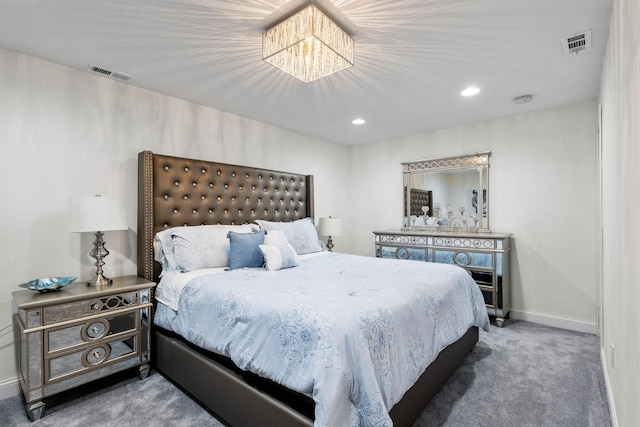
x=330, y=227
x=97, y=214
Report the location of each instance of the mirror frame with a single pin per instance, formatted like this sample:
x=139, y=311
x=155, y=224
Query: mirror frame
x=479, y=161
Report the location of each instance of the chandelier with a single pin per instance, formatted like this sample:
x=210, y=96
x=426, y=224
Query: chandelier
x=308, y=45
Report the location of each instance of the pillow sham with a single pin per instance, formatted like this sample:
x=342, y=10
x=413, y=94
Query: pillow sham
x=244, y=249
x=195, y=247
x=163, y=251
x=301, y=234
x=278, y=257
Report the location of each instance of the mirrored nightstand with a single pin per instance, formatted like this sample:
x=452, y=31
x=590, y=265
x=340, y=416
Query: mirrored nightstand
x=78, y=334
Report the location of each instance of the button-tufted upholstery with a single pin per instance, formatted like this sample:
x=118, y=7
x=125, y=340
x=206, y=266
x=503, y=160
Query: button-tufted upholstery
x=418, y=199
x=174, y=191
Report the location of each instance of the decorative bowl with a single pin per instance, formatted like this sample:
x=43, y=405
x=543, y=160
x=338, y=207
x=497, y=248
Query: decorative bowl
x=47, y=284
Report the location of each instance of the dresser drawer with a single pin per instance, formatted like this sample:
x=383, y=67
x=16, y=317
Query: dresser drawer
x=467, y=258
x=401, y=252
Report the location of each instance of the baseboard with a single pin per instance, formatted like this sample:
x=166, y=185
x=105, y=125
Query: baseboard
x=555, y=321
x=607, y=386
x=9, y=388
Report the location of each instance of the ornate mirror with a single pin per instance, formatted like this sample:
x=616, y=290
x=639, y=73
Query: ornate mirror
x=448, y=194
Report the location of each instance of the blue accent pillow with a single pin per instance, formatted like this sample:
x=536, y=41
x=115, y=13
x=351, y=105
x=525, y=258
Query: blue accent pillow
x=244, y=249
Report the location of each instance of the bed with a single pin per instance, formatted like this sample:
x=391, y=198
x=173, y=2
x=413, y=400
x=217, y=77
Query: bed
x=175, y=192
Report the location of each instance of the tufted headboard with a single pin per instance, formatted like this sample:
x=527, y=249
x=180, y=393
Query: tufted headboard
x=175, y=191
x=418, y=199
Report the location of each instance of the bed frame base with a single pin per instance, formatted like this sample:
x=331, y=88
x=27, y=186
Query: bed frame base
x=222, y=389
x=243, y=399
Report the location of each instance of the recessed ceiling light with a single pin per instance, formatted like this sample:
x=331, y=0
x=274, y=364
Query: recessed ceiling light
x=470, y=91
x=358, y=121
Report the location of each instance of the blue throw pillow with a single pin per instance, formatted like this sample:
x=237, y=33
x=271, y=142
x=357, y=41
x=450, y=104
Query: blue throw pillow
x=244, y=249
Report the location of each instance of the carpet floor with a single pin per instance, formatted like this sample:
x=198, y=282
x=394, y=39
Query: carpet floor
x=521, y=375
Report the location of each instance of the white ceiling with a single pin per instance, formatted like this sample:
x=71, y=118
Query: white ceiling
x=413, y=57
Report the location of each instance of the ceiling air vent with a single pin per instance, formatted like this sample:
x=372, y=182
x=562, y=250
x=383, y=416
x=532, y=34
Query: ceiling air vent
x=577, y=43
x=117, y=75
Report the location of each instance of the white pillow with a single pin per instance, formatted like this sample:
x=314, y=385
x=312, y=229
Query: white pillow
x=194, y=247
x=301, y=234
x=276, y=237
x=277, y=257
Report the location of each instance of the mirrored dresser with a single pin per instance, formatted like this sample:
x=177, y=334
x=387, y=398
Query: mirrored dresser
x=486, y=256
x=446, y=220
x=78, y=334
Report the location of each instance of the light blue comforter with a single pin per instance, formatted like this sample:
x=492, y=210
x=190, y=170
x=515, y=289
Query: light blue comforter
x=354, y=332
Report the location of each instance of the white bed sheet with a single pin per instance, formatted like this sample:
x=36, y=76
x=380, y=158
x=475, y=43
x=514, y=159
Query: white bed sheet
x=172, y=282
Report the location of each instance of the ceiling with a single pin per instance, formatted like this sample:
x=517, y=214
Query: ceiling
x=413, y=57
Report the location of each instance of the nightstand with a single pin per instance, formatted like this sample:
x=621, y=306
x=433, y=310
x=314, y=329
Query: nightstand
x=79, y=334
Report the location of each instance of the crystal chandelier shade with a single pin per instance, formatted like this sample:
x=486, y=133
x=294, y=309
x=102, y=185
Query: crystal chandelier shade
x=308, y=45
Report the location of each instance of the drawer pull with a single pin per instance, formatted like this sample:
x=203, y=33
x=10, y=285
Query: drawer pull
x=94, y=330
x=462, y=258
x=96, y=355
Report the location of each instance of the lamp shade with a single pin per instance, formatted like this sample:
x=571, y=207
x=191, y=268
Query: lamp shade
x=91, y=214
x=330, y=226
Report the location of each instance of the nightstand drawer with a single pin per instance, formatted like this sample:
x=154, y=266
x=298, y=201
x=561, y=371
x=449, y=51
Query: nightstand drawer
x=91, y=331
x=96, y=355
x=79, y=309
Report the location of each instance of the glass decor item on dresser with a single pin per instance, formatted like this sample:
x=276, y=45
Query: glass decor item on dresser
x=447, y=194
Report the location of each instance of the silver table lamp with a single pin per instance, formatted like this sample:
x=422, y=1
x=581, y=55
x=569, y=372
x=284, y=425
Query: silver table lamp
x=330, y=227
x=97, y=214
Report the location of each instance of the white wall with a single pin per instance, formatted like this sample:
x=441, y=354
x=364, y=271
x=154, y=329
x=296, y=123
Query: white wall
x=620, y=98
x=542, y=183
x=66, y=133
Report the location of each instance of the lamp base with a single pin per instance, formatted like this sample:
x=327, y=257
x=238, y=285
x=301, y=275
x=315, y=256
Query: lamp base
x=99, y=281
x=330, y=244
x=99, y=252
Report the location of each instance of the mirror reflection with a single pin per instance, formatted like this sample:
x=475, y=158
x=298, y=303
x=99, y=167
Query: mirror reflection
x=448, y=194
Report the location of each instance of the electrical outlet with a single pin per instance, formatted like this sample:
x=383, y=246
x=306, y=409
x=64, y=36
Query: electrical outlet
x=613, y=356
